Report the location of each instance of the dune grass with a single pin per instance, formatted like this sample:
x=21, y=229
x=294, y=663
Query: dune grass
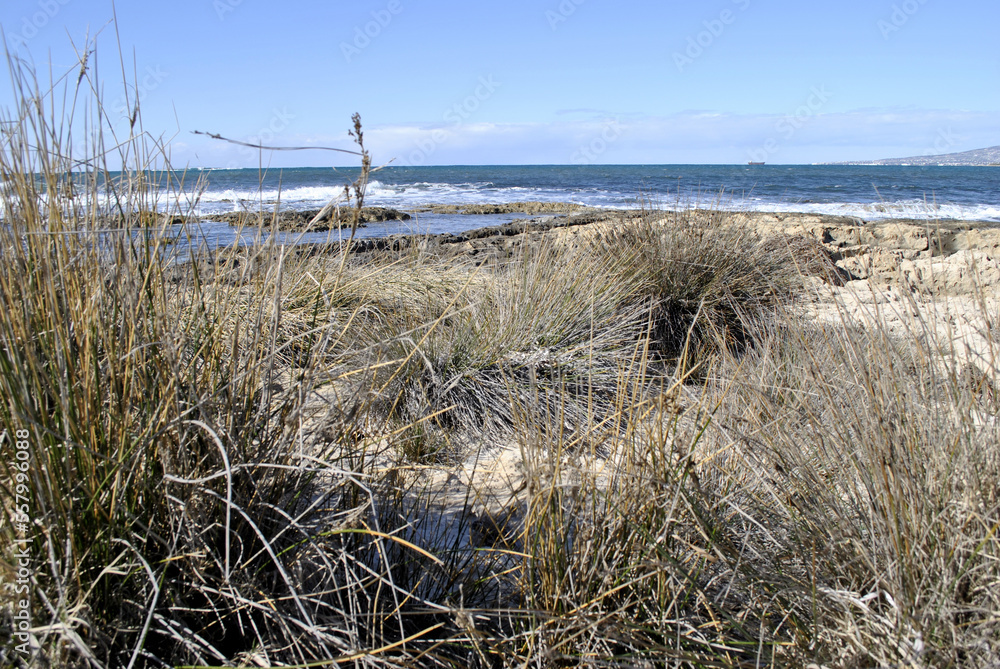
x=235, y=458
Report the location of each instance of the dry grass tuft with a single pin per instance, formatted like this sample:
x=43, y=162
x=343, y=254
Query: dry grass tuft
x=711, y=281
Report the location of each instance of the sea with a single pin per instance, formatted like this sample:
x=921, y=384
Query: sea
x=867, y=192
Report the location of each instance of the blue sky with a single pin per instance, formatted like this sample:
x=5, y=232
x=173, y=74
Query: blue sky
x=539, y=81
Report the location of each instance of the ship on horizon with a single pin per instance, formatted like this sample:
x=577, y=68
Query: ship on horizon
x=754, y=163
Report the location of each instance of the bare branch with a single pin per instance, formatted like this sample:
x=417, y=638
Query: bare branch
x=274, y=148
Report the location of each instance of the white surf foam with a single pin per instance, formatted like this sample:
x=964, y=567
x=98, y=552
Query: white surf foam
x=915, y=209
x=412, y=195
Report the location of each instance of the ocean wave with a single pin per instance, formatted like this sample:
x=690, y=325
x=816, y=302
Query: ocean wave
x=403, y=196
x=290, y=195
x=913, y=209
x=802, y=194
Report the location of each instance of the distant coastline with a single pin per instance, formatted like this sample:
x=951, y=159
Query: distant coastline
x=989, y=157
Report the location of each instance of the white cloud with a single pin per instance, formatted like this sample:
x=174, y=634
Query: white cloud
x=695, y=136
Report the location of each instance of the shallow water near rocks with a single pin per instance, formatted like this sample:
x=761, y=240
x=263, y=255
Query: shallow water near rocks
x=210, y=235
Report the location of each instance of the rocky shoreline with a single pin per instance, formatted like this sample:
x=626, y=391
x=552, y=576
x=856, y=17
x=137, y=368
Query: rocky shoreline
x=934, y=254
x=333, y=219
x=480, y=245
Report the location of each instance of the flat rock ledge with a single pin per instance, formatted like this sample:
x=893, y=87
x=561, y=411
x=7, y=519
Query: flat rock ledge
x=495, y=242
x=532, y=208
x=298, y=221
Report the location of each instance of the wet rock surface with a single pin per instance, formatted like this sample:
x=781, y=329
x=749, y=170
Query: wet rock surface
x=491, y=243
x=530, y=207
x=299, y=221
x=141, y=219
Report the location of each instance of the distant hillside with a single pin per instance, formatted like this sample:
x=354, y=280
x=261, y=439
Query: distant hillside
x=979, y=157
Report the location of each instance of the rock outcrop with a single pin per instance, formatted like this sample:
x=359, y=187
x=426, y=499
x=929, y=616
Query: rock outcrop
x=299, y=221
x=940, y=256
x=532, y=208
